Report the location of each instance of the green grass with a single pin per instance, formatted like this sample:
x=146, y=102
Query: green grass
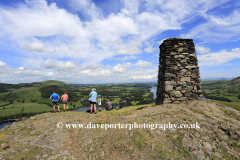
x=134, y=103
x=3, y=103
x=116, y=100
x=232, y=97
x=26, y=94
x=146, y=94
x=77, y=104
x=10, y=111
x=220, y=89
x=213, y=84
x=31, y=107
x=16, y=108
x=235, y=105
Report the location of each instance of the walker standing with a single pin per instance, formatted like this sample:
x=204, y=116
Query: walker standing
x=93, y=99
x=65, y=100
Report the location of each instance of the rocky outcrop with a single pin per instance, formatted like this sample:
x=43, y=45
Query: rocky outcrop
x=39, y=138
x=178, y=74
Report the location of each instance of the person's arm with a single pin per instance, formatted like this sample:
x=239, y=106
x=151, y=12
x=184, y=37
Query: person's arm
x=61, y=97
x=67, y=97
x=58, y=97
x=51, y=98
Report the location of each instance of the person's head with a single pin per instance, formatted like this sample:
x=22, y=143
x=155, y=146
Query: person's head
x=54, y=91
x=93, y=89
x=64, y=92
x=107, y=100
x=99, y=96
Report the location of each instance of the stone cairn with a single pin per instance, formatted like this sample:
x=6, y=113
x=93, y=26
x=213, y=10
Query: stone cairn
x=178, y=74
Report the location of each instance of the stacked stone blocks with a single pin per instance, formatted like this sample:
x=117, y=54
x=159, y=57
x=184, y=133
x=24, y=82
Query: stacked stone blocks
x=178, y=74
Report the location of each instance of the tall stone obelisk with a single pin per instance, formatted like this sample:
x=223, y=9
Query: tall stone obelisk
x=178, y=74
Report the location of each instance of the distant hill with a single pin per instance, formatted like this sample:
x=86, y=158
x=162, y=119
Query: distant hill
x=219, y=78
x=214, y=84
x=235, y=81
x=228, y=84
x=53, y=82
x=4, y=86
x=223, y=90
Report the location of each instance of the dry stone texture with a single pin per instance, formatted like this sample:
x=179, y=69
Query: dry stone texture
x=178, y=74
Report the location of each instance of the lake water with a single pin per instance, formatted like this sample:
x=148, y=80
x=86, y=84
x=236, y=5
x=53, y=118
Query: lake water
x=3, y=124
x=154, y=91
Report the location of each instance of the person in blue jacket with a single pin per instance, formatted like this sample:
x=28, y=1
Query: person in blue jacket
x=93, y=99
x=54, y=98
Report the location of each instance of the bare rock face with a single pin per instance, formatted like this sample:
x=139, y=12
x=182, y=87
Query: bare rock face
x=178, y=74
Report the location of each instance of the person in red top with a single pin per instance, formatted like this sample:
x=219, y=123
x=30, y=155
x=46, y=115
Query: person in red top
x=65, y=100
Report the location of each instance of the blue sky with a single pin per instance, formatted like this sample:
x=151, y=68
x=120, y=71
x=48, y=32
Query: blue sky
x=113, y=41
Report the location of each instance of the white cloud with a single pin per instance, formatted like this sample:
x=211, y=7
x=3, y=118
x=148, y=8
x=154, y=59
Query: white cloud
x=37, y=47
x=203, y=50
x=3, y=64
x=92, y=66
x=130, y=7
x=144, y=77
x=87, y=7
x=32, y=62
x=81, y=74
x=49, y=74
x=36, y=18
x=97, y=38
x=20, y=68
x=143, y=64
x=42, y=28
x=235, y=49
x=108, y=66
x=217, y=29
x=148, y=24
x=121, y=68
x=125, y=58
x=60, y=65
x=131, y=49
x=98, y=72
x=117, y=69
x=218, y=58
x=149, y=49
x=126, y=65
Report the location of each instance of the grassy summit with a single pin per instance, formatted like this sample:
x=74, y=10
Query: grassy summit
x=39, y=138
